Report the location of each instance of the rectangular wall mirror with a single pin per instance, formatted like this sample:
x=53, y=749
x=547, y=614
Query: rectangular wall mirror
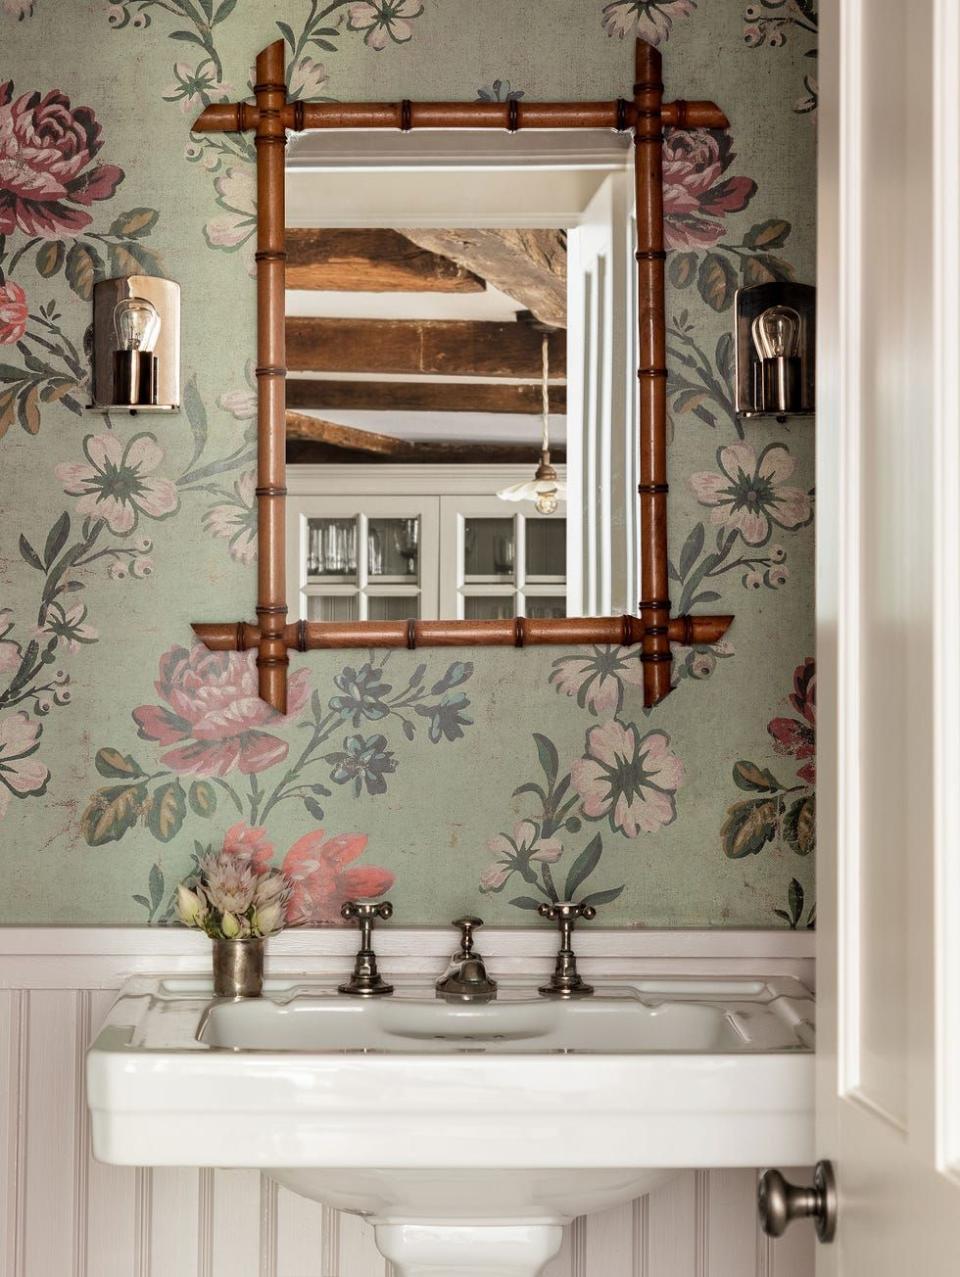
x=441, y=289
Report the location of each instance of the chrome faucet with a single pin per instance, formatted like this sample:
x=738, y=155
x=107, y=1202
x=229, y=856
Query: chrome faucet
x=466, y=979
x=366, y=981
x=566, y=981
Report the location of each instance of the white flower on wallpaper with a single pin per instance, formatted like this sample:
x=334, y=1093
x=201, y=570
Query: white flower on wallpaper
x=384, y=20
x=751, y=495
x=235, y=520
x=650, y=20
x=117, y=483
x=21, y=773
x=235, y=229
x=630, y=779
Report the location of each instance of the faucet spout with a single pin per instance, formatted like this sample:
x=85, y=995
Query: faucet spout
x=466, y=979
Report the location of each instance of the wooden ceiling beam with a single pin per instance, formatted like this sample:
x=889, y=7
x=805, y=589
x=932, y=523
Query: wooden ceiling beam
x=528, y=265
x=454, y=347
x=371, y=261
x=313, y=439
x=418, y=396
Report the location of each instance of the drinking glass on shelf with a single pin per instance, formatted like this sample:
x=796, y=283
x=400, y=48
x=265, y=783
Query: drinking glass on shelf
x=503, y=555
x=374, y=553
x=406, y=539
x=313, y=550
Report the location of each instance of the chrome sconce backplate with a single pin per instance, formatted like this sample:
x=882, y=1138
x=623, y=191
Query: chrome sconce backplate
x=133, y=380
x=775, y=347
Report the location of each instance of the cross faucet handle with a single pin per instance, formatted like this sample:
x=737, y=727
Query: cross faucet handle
x=567, y=911
x=366, y=981
x=566, y=981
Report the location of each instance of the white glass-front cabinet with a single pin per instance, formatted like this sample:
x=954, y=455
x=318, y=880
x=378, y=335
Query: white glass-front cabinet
x=419, y=542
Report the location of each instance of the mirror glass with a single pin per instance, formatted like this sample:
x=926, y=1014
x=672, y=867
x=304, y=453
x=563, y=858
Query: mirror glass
x=460, y=413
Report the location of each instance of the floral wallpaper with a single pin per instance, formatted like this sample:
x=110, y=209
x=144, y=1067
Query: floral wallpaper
x=482, y=781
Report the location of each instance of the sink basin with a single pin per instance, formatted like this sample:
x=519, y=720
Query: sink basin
x=467, y=1134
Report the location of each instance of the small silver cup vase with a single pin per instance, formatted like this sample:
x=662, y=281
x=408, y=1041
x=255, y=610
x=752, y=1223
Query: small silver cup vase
x=238, y=967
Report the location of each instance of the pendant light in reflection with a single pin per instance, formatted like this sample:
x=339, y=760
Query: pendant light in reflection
x=546, y=490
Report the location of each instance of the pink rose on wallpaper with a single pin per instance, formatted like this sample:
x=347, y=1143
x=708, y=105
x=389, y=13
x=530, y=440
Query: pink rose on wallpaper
x=14, y=313
x=696, y=195
x=323, y=876
x=47, y=170
x=20, y=773
x=629, y=778
x=214, y=715
x=252, y=846
x=798, y=736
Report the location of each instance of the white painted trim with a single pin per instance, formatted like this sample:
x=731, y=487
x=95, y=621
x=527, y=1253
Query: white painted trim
x=441, y=150
x=403, y=480
x=103, y=957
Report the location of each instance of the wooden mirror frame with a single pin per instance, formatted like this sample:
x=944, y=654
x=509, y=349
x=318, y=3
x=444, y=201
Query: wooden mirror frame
x=269, y=118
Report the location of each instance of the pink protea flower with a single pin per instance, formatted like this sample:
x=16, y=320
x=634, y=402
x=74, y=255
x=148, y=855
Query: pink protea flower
x=118, y=484
x=47, y=170
x=798, y=736
x=696, y=195
x=599, y=680
x=20, y=773
x=248, y=845
x=14, y=313
x=751, y=495
x=322, y=876
x=630, y=779
x=214, y=716
x=229, y=884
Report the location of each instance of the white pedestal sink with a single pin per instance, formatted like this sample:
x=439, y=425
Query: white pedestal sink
x=467, y=1134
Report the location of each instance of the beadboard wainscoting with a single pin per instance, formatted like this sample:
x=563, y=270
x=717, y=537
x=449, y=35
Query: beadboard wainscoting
x=62, y=1214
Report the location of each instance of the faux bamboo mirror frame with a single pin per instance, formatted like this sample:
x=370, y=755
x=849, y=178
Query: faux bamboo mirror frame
x=653, y=627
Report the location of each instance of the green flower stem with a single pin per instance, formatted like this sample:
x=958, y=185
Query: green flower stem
x=322, y=731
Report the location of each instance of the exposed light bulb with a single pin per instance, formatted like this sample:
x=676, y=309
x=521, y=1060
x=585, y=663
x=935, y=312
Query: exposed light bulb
x=137, y=324
x=547, y=501
x=776, y=333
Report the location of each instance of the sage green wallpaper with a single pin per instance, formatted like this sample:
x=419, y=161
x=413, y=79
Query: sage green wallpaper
x=479, y=781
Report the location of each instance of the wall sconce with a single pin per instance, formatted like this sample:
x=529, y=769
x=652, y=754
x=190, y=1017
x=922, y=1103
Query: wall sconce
x=775, y=349
x=136, y=344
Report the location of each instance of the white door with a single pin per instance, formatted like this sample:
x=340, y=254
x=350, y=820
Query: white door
x=888, y=484
x=602, y=395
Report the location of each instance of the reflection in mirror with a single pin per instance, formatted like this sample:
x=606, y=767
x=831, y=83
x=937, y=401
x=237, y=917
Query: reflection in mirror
x=459, y=433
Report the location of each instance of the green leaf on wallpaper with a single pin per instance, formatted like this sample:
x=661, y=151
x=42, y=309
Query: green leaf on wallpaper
x=137, y=222
x=132, y=258
x=314, y=808
x=716, y=281
x=116, y=766
x=525, y=902
x=84, y=267
x=189, y=37
x=750, y=776
x=549, y=759
x=800, y=825
x=50, y=257
x=29, y=554
x=724, y=358
x=166, y=810
x=28, y=410
x=197, y=417
x=749, y=827
x=692, y=549
x=583, y=867
x=203, y=798
x=682, y=268
x=604, y=897
x=773, y=233
x=765, y=269
x=56, y=539
x=795, y=899
x=224, y=11
x=111, y=812
x=287, y=32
